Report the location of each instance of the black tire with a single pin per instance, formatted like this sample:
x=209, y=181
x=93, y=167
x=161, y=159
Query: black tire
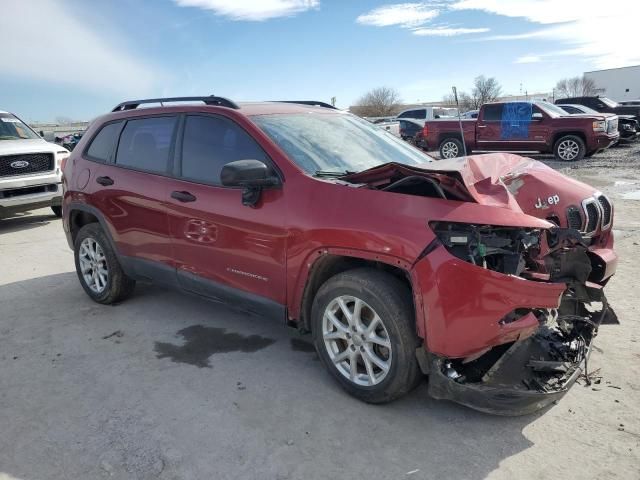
x=57, y=210
x=569, y=149
x=451, y=148
x=118, y=285
x=391, y=300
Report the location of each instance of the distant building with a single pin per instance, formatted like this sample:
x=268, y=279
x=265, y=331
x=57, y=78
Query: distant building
x=617, y=83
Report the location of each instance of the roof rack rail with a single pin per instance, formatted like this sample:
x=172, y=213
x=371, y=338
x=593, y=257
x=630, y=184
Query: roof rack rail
x=210, y=100
x=313, y=103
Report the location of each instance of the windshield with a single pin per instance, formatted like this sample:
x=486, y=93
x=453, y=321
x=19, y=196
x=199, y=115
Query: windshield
x=608, y=102
x=336, y=142
x=12, y=128
x=551, y=109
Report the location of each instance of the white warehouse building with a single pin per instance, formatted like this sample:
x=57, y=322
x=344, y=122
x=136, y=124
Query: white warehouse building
x=617, y=83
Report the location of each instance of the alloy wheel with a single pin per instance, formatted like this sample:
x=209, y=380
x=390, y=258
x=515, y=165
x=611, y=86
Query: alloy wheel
x=450, y=150
x=568, y=149
x=93, y=265
x=356, y=340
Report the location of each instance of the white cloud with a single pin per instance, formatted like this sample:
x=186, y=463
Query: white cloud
x=606, y=35
x=252, y=10
x=528, y=59
x=43, y=41
x=403, y=14
x=415, y=16
x=447, y=31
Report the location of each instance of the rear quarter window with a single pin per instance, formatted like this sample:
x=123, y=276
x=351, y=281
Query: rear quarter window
x=104, y=143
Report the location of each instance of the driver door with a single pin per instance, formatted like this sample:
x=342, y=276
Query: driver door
x=223, y=249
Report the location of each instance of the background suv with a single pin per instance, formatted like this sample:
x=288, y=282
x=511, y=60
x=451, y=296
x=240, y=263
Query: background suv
x=30, y=174
x=397, y=265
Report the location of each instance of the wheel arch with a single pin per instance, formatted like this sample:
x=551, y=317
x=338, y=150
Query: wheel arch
x=575, y=133
x=328, y=262
x=80, y=215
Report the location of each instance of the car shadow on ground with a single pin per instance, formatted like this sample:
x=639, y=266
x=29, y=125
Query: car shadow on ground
x=25, y=221
x=88, y=383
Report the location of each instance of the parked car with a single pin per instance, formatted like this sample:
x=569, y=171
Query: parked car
x=70, y=141
x=470, y=114
x=391, y=126
x=630, y=102
x=524, y=126
x=428, y=113
x=602, y=105
x=398, y=266
x=628, y=127
x=409, y=129
x=30, y=175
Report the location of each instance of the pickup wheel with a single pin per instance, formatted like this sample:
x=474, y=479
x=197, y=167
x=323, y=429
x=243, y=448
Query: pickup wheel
x=451, y=148
x=97, y=266
x=569, y=148
x=364, y=331
x=57, y=210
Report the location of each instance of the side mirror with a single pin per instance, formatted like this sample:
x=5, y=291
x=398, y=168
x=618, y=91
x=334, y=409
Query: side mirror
x=251, y=175
x=537, y=116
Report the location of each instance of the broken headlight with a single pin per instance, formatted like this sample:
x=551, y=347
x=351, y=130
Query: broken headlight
x=501, y=249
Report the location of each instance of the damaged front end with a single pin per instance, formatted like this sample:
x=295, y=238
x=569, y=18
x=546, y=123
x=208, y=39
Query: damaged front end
x=520, y=361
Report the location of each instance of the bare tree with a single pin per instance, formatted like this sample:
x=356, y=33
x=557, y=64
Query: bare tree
x=576, y=87
x=379, y=102
x=485, y=90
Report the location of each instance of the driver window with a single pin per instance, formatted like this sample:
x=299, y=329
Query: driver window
x=211, y=142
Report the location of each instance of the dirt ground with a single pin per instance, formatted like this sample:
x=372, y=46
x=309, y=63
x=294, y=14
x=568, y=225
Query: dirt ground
x=169, y=386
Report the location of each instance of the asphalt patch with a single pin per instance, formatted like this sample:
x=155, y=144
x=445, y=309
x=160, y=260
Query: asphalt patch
x=201, y=342
x=300, y=345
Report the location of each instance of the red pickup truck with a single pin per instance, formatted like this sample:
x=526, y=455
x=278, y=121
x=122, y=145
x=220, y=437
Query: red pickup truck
x=523, y=126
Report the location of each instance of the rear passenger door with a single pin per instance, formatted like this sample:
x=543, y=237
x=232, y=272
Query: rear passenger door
x=130, y=189
x=224, y=249
x=488, y=128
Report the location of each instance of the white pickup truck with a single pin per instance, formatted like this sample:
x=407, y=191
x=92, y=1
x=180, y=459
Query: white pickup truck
x=30, y=173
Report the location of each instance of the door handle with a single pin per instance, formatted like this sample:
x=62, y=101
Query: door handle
x=104, y=181
x=183, y=196
x=481, y=126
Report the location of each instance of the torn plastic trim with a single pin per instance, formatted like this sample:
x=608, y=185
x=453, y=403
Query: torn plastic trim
x=497, y=400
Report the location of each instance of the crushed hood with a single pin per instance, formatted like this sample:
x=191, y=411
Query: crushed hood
x=502, y=180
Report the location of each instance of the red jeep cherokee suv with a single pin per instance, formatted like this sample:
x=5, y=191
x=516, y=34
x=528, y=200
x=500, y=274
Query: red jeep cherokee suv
x=485, y=273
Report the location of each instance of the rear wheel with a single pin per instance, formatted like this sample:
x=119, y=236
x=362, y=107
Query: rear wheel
x=451, y=148
x=364, y=331
x=569, y=148
x=97, y=266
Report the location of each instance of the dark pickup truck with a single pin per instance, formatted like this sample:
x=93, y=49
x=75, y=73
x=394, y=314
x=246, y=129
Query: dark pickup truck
x=603, y=105
x=523, y=127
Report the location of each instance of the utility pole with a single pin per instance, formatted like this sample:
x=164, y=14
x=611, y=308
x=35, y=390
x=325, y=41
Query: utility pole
x=464, y=144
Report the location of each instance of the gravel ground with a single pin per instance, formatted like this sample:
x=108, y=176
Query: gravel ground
x=169, y=386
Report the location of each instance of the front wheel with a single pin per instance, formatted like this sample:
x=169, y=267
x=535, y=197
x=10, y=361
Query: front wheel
x=569, y=148
x=451, y=148
x=364, y=331
x=57, y=210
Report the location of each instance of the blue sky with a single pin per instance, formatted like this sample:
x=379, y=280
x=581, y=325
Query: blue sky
x=77, y=59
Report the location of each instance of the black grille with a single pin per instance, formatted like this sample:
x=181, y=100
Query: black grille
x=574, y=219
x=606, y=209
x=25, y=164
x=592, y=217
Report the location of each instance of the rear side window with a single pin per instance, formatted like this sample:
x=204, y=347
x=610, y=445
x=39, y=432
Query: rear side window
x=145, y=144
x=211, y=142
x=422, y=113
x=493, y=113
x=104, y=143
